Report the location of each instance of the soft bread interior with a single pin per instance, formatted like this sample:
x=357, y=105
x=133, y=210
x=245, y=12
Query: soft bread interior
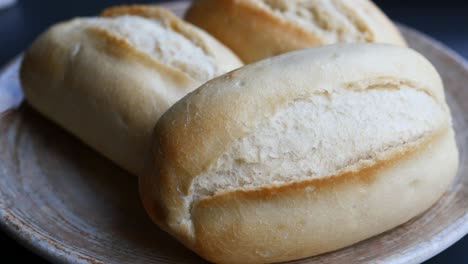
x=161, y=42
x=324, y=135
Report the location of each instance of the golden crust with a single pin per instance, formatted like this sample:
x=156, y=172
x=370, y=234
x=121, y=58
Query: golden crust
x=268, y=34
x=146, y=11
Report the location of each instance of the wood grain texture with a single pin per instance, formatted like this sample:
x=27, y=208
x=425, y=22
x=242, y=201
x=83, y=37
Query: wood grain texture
x=71, y=205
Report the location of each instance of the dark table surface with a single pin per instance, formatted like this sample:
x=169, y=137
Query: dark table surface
x=446, y=21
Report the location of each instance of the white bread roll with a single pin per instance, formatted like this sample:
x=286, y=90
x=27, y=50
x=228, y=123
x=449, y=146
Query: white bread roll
x=108, y=79
x=302, y=154
x=258, y=29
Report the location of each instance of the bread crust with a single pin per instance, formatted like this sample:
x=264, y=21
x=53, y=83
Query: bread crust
x=269, y=33
x=106, y=91
x=297, y=219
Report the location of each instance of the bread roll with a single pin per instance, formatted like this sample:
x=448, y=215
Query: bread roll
x=258, y=29
x=301, y=154
x=108, y=79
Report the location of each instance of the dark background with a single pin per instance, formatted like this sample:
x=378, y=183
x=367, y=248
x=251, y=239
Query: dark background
x=446, y=21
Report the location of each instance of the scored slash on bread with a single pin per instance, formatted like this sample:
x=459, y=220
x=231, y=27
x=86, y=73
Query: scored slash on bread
x=222, y=59
x=301, y=154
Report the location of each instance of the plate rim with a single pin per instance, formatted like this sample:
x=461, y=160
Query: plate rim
x=52, y=250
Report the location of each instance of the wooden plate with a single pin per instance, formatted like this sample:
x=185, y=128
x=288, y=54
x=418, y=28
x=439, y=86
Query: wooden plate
x=70, y=205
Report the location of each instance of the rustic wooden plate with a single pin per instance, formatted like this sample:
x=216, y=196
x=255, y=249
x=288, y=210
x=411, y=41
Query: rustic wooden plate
x=70, y=205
